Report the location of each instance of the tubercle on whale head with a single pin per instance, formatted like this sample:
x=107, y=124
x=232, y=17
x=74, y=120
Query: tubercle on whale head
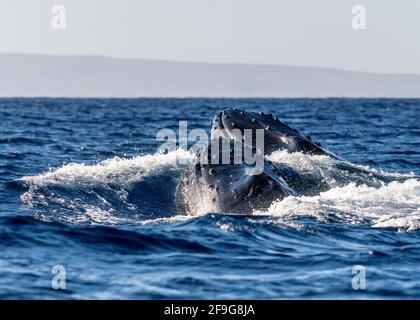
x=277, y=135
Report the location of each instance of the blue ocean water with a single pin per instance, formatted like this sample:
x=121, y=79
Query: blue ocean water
x=81, y=186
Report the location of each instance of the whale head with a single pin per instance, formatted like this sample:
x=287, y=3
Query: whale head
x=277, y=135
x=227, y=179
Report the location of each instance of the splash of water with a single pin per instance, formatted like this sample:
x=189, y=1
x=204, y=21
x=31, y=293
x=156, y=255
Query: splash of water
x=110, y=192
x=140, y=189
x=370, y=199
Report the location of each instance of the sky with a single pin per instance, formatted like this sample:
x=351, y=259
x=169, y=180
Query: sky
x=282, y=32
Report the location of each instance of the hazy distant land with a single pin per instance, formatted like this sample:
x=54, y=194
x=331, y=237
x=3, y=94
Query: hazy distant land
x=24, y=75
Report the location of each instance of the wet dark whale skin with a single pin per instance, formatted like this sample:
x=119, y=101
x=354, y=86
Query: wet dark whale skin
x=278, y=135
x=232, y=187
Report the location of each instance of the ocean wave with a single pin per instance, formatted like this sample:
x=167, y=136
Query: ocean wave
x=113, y=191
x=141, y=190
x=115, y=170
x=396, y=205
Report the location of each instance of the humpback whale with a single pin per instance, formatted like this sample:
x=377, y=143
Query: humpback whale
x=234, y=185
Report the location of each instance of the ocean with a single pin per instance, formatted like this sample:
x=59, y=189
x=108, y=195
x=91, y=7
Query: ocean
x=84, y=191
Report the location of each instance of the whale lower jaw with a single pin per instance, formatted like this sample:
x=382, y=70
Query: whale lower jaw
x=231, y=188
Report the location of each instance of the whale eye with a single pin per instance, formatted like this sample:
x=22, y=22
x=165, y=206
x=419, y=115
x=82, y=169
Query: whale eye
x=212, y=171
x=261, y=113
x=268, y=128
x=233, y=124
x=254, y=120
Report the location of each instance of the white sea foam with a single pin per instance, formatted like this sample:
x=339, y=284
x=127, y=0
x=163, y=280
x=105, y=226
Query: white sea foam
x=116, y=170
x=328, y=168
x=91, y=191
x=394, y=204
